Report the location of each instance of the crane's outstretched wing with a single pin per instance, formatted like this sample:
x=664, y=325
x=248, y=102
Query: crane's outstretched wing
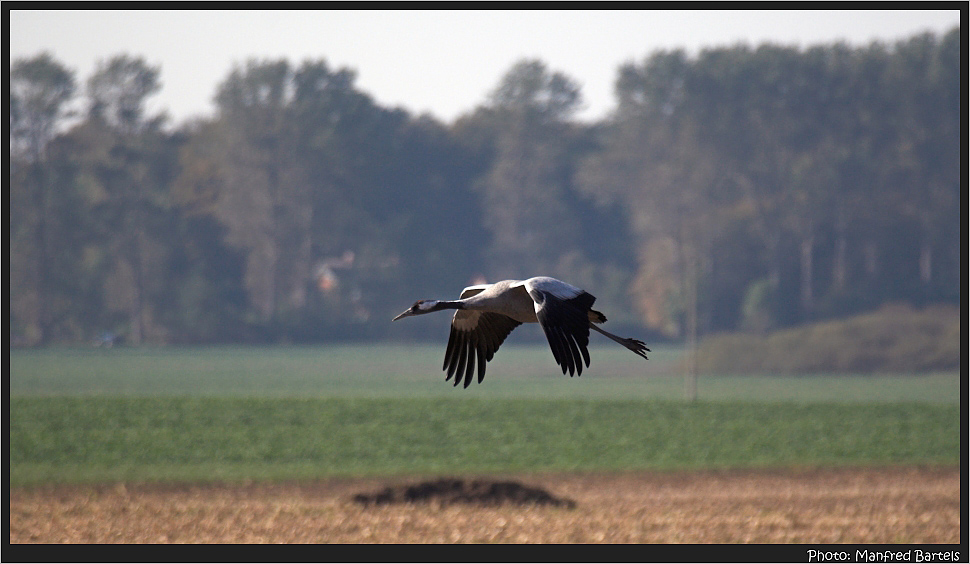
x=563, y=314
x=474, y=336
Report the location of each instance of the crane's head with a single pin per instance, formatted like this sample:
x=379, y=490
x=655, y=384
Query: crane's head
x=419, y=307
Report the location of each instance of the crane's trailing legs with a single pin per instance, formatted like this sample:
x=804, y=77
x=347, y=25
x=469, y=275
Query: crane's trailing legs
x=635, y=345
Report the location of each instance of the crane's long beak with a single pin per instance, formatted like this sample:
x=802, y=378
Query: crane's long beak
x=406, y=313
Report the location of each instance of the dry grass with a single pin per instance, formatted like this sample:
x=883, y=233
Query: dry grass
x=894, y=339
x=900, y=505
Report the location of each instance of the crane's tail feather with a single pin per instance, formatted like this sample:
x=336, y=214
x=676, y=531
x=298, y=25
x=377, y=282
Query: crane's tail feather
x=635, y=345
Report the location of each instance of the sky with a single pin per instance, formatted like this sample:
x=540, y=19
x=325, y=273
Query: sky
x=440, y=62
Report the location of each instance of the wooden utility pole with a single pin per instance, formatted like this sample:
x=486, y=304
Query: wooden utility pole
x=690, y=355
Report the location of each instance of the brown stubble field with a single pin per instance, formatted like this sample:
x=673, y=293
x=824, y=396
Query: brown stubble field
x=858, y=505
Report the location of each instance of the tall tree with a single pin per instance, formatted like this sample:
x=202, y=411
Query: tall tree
x=926, y=178
x=40, y=91
x=125, y=171
x=264, y=202
x=656, y=164
x=524, y=192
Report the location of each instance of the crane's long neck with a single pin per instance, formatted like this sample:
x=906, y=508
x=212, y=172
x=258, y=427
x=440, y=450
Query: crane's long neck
x=438, y=305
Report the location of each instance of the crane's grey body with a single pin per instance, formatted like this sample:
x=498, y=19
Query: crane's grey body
x=487, y=313
x=510, y=297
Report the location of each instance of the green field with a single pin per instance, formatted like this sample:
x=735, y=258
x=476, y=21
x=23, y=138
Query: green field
x=87, y=415
x=414, y=371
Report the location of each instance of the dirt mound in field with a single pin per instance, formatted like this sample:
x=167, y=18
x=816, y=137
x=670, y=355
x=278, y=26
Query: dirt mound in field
x=447, y=491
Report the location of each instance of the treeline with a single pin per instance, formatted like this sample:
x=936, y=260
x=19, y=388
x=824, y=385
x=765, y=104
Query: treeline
x=742, y=188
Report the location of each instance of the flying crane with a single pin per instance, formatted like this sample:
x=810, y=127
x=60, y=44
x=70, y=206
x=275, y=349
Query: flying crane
x=486, y=314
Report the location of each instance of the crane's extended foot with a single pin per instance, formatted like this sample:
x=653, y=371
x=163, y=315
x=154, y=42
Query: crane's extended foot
x=635, y=345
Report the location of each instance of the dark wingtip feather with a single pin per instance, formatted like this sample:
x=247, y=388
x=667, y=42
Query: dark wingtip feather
x=470, y=367
x=482, y=361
